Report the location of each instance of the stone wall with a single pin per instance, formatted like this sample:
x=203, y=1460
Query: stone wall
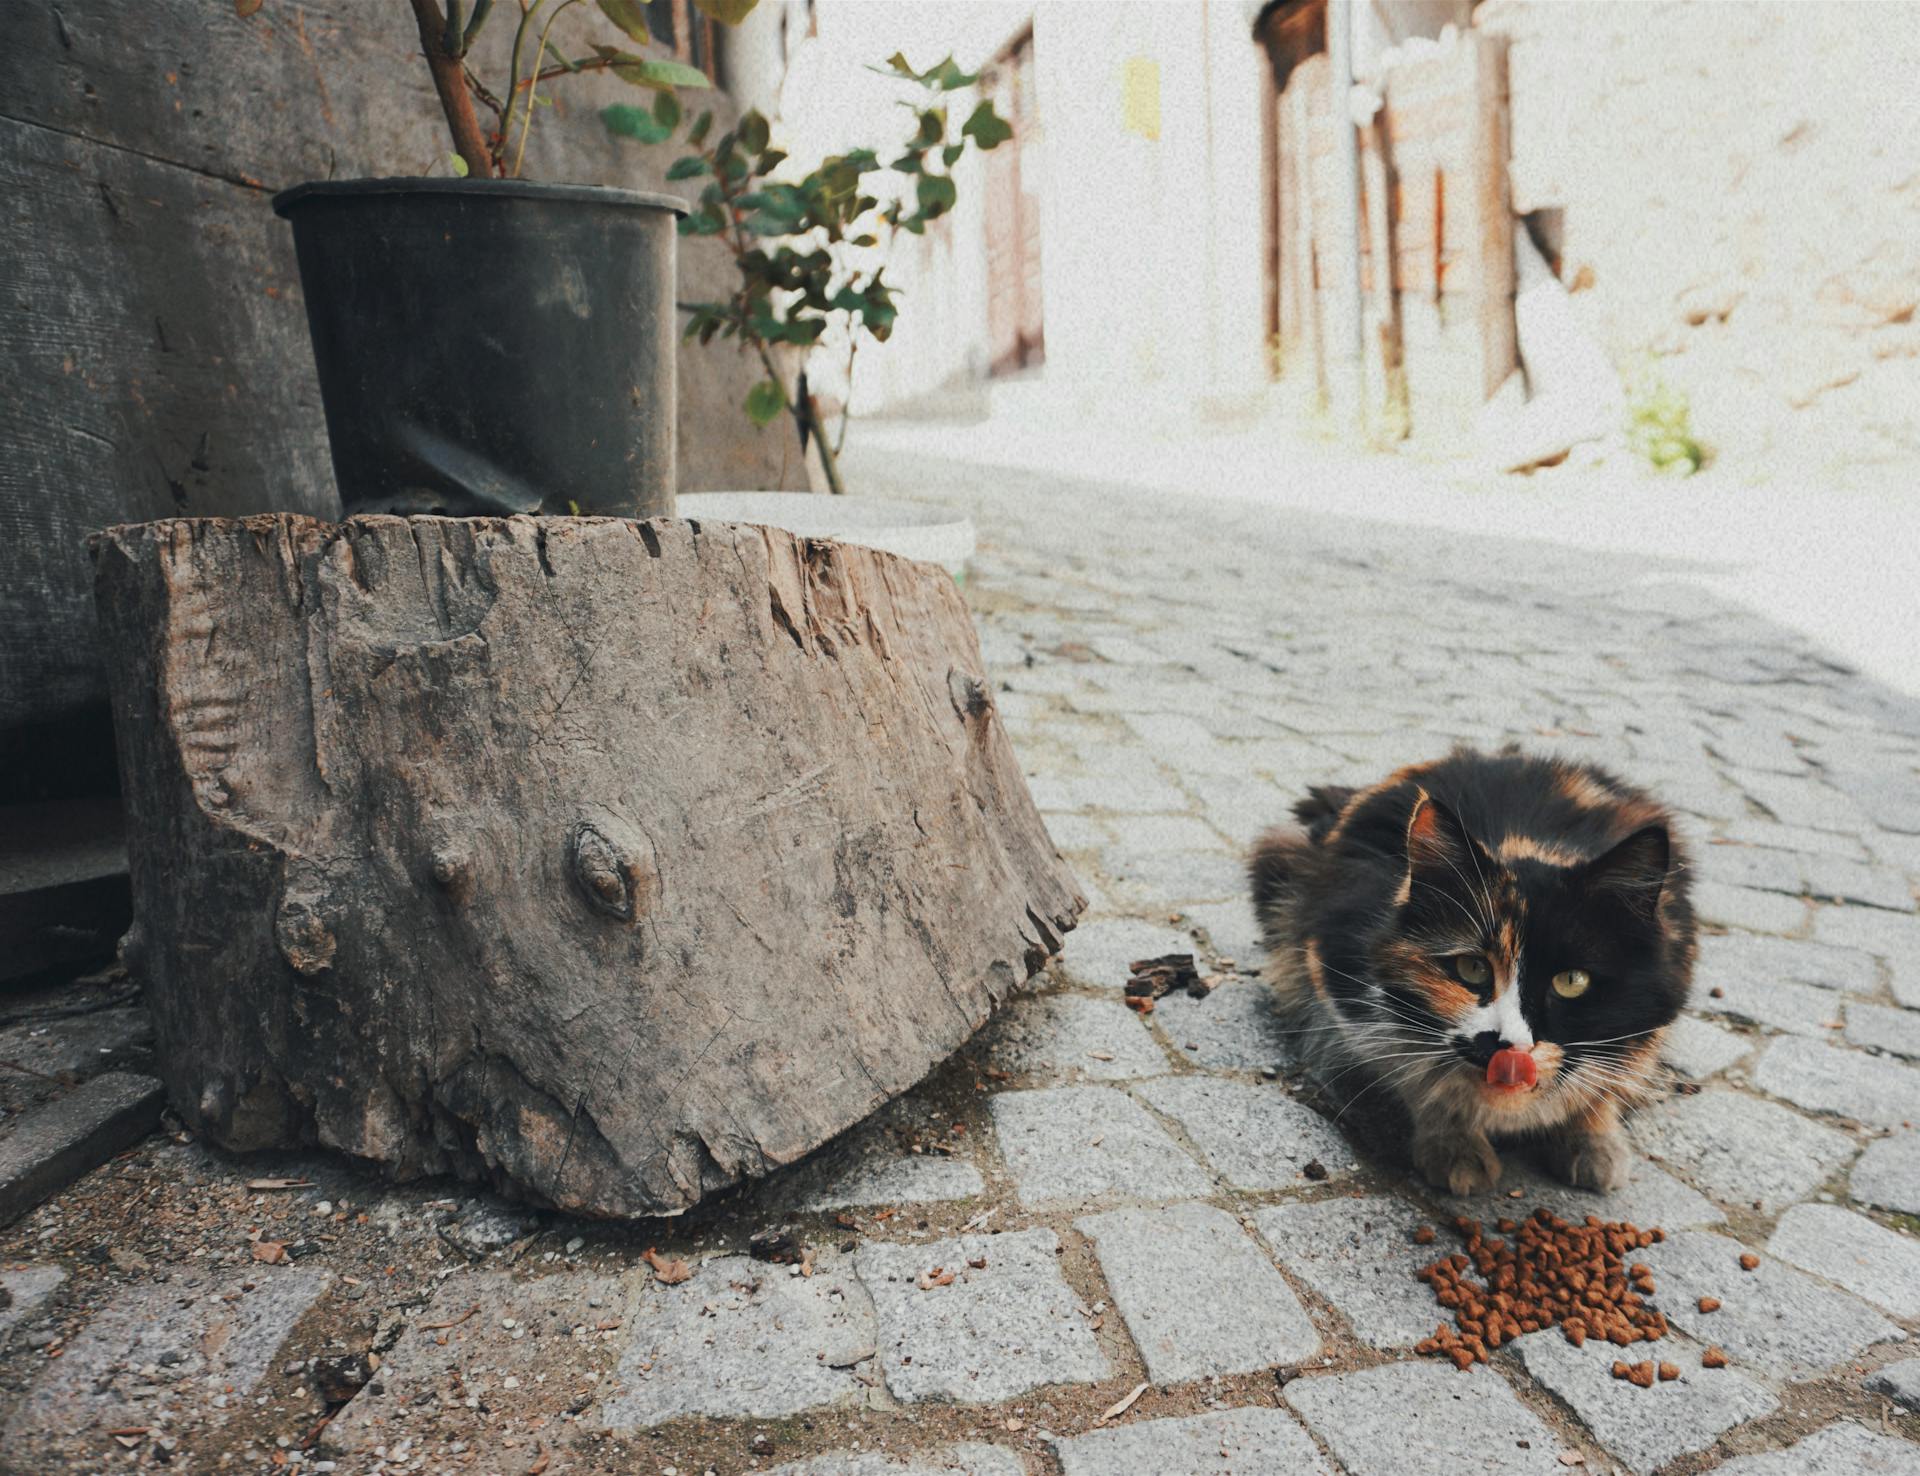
x=1741, y=197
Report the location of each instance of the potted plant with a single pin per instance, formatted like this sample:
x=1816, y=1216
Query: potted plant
x=811, y=245
x=486, y=344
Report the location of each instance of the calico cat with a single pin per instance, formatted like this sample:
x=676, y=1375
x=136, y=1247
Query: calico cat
x=1499, y=940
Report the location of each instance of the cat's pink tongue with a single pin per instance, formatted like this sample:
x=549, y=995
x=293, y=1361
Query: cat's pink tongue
x=1512, y=1070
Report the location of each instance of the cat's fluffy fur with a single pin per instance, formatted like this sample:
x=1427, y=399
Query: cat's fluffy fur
x=1382, y=914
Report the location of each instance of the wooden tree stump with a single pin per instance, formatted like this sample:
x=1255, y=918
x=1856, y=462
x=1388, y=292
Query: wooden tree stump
x=607, y=862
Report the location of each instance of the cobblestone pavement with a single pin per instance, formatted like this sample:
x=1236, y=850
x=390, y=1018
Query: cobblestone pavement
x=1085, y=1202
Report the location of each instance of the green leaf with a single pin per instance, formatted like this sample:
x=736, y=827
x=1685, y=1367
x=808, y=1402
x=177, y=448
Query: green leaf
x=937, y=194
x=952, y=152
x=944, y=74
x=947, y=76
x=933, y=126
x=648, y=71
x=626, y=121
x=666, y=111
x=630, y=16
x=986, y=127
x=690, y=167
x=457, y=164
x=727, y=12
x=697, y=134
x=765, y=401
x=769, y=161
x=753, y=132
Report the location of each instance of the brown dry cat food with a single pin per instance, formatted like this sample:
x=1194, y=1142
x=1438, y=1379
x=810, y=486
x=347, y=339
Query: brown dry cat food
x=1749, y=1262
x=1713, y=1358
x=1550, y=1273
x=1709, y=1304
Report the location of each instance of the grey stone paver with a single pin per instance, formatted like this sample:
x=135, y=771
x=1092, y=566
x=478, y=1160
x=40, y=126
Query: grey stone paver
x=27, y=1290
x=1799, y=1008
x=1232, y=1442
x=1098, y=952
x=1080, y=1146
x=214, y=1333
x=993, y=1332
x=500, y=1329
x=1699, y=1050
x=1735, y=956
x=1199, y=1297
x=1645, y=1428
x=1231, y=927
x=1649, y=1197
x=1894, y=936
x=1743, y=907
x=51, y=1146
x=1359, y=1254
x=1741, y=1149
x=1176, y=877
x=1826, y=1078
x=1884, y=1029
x=1852, y=1251
x=1233, y=1027
x=906, y=1178
x=1424, y=1419
x=1888, y=1174
x=969, y=1458
x=742, y=1337
x=1773, y=1317
x=1845, y=1449
x=1066, y=1037
x=1254, y=1135
x=1900, y=1382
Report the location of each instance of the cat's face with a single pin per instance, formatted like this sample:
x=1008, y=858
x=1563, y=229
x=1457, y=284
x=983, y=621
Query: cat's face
x=1564, y=960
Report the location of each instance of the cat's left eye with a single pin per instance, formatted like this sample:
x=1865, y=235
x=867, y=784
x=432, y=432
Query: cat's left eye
x=1571, y=983
x=1472, y=970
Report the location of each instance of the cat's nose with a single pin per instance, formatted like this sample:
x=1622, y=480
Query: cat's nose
x=1483, y=1047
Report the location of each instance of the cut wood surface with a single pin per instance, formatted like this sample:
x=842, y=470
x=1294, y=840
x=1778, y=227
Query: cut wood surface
x=608, y=862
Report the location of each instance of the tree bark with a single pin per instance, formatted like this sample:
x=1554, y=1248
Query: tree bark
x=607, y=862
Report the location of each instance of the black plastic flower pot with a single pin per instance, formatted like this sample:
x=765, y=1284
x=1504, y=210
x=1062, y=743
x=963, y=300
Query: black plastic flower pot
x=492, y=346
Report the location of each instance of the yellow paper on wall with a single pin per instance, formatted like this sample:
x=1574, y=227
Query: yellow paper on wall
x=1140, y=97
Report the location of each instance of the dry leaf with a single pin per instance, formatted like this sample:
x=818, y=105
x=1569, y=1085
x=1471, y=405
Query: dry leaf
x=1101, y=1055
x=938, y=1276
x=1114, y=1411
x=270, y=1251
x=279, y=1183
x=540, y=1462
x=1572, y=1458
x=668, y=1273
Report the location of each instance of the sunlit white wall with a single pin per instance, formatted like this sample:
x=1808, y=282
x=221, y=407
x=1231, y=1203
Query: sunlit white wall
x=1147, y=168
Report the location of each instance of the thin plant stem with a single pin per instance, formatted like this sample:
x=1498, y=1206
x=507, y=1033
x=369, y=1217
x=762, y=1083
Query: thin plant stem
x=533, y=91
x=527, y=13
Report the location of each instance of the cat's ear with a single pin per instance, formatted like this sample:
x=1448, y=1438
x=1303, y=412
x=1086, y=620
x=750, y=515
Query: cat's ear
x=1634, y=871
x=1435, y=837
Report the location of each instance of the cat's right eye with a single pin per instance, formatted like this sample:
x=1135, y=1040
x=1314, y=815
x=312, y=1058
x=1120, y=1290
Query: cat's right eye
x=1472, y=970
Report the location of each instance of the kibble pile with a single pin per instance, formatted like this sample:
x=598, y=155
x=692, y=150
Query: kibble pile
x=1548, y=1272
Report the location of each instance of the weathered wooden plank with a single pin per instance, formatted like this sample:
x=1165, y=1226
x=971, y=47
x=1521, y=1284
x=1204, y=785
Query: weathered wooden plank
x=610, y=862
x=152, y=332
x=154, y=348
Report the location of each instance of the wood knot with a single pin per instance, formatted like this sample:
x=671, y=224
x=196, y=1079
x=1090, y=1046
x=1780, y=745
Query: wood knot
x=452, y=872
x=306, y=942
x=611, y=879
x=969, y=695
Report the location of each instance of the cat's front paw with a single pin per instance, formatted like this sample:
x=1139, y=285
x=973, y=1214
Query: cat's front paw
x=1599, y=1161
x=1459, y=1162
